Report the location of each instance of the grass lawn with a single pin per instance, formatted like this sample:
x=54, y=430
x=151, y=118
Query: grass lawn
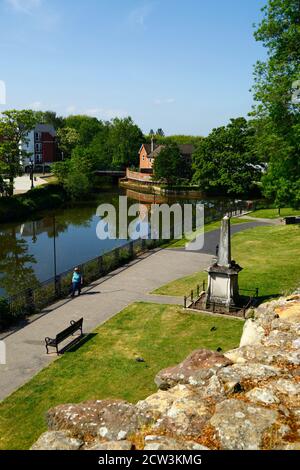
x=269, y=256
x=273, y=213
x=207, y=228
x=105, y=366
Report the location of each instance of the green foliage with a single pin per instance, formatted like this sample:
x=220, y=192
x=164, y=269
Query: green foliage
x=14, y=128
x=176, y=139
x=277, y=114
x=224, y=162
x=125, y=139
x=23, y=206
x=4, y=313
x=68, y=138
x=169, y=165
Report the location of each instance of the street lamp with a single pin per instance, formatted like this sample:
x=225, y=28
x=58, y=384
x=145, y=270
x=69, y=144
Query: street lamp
x=31, y=171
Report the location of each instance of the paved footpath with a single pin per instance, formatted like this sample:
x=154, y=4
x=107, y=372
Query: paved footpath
x=25, y=349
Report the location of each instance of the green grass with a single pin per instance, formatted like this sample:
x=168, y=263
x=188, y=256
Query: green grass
x=269, y=256
x=273, y=213
x=105, y=366
x=207, y=228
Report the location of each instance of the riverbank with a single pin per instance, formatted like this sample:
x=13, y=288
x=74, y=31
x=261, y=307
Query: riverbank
x=23, y=206
x=162, y=190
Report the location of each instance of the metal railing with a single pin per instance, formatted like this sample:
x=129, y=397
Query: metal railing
x=35, y=299
x=189, y=300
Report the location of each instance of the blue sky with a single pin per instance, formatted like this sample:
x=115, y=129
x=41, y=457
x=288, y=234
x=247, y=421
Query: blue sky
x=183, y=65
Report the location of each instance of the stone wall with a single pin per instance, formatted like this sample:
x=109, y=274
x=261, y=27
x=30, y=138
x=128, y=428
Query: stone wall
x=247, y=399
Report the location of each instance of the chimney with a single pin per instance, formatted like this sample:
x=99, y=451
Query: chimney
x=152, y=144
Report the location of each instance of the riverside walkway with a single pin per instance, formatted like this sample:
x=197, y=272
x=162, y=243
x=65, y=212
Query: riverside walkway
x=25, y=347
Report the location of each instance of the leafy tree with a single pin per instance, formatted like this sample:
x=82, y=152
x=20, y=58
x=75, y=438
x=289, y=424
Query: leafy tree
x=151, y=133
x=50, y=117
x=160, y=132
x=86, y=126
x=277, y=114
x=169, y=165
x=225, y=162
x=14, y=128
x=125, y=139
x=68, y=138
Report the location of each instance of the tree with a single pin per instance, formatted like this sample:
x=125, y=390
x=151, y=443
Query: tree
x=125, y=139
x=277, y=114
x=224, y=162
x=160, y=132
x=14, y=128
x=86, y=126
x=68, y=138
x=50, y=117
x=169, y=165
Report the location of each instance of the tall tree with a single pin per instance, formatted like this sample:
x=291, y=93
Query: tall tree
x=224, y=162
x=68, y=138
x=125, y=140
x=14, y=128
x=277, y=113
x=169, y=165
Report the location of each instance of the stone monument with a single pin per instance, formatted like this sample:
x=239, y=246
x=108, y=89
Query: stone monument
x=223, y=288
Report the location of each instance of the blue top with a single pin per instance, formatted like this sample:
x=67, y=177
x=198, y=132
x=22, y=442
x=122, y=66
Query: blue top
x=76, y=277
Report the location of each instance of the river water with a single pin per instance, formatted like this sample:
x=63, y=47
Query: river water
x=28, y=251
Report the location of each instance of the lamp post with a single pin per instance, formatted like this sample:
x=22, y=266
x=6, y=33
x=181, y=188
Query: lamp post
x=31, y=170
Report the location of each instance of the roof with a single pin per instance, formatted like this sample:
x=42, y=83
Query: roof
x=45, y=128
x=185, y=149
x=148, y=148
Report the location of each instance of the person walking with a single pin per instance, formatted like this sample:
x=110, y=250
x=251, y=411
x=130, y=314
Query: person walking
x=77, y=281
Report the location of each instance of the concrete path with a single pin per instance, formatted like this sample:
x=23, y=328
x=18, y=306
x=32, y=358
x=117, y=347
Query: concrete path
x=22, y=184
x=265, y=221
x=25, y=350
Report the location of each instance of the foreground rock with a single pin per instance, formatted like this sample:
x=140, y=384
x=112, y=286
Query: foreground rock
x=246, y=399
x=194, y=370
x=106, y=419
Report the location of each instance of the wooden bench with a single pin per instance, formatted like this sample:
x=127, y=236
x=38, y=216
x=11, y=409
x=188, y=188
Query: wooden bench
x=60, y=337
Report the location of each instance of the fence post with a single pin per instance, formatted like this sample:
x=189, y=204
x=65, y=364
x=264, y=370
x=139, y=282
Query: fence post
x=203, y=286
x=131, y=250
x=184, y=301
x=100, y=265
x=117, y=256
x=256, y=292
x=198, y=291
x=57, y=282
x=192, y=295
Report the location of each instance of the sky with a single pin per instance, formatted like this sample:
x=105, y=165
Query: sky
x=185, y=66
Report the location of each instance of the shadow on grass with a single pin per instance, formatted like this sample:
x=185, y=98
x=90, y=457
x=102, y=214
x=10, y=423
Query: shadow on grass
x=264, y=298
x=77, y=343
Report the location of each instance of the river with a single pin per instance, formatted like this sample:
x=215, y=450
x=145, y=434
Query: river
x=28, y=250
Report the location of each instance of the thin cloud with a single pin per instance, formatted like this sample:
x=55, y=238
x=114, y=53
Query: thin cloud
x=108, y=114
x=139, y=15
x=24, y=6
x=159, y=102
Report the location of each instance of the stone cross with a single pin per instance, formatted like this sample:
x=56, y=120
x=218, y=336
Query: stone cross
x=224, y=255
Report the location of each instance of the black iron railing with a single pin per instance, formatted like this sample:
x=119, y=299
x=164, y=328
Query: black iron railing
x=35, y=299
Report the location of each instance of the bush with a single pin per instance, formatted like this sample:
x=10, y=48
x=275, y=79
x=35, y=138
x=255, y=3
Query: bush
x=5, y=317
x=23, y=206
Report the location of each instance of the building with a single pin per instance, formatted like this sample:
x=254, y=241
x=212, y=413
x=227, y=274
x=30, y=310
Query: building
x=42, y=145
x=148, y=153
